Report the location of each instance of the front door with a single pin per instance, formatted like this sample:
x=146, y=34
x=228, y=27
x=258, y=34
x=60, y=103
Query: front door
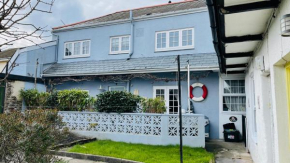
x=170, y=96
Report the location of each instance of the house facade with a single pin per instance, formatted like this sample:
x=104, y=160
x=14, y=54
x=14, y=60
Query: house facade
x=251, y=42
x=135, y=50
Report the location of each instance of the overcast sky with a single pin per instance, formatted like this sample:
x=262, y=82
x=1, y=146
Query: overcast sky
x=71, y=11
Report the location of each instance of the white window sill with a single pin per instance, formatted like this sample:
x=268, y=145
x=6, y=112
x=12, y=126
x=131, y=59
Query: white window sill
x=76, y=56
x=121, y=52
x=174, y=49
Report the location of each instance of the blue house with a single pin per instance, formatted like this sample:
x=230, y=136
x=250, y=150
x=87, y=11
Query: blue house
x=135, y=51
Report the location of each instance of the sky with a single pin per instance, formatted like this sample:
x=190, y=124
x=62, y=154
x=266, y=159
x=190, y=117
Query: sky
x=71, y=11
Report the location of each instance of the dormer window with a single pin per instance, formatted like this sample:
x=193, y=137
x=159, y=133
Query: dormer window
x=174, y=40
x=77, y=49
x=120, y=45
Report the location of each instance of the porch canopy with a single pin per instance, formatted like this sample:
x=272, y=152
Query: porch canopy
x=237, y=28
x=198, y=62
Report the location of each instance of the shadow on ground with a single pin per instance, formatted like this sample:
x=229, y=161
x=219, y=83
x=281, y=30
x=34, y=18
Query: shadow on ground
x=226, y=152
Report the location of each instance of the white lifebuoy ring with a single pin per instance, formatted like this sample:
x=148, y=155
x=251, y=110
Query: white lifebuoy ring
x=204, y=95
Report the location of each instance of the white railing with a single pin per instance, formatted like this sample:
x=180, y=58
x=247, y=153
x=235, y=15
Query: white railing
x=155, y=129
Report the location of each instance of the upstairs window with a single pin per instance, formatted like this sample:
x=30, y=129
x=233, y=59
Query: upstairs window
x=174, y=40
x=77, y=49
x=120, y=44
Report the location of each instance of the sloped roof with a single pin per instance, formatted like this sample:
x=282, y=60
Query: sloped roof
x=140, y=12
x=7, y=53
x=123, y=66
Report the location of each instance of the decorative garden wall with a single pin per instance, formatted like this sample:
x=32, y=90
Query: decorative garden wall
x=154, y=129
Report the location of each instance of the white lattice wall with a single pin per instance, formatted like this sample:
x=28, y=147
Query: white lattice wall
x=157, y=129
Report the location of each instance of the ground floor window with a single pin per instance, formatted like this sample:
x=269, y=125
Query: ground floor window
x=234, y=96
x=117, y=88
x=170, y=95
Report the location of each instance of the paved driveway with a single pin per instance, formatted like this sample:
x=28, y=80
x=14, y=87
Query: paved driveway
x=226, y=152
x=72, y=160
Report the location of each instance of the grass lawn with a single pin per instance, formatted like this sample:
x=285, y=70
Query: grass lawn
x=143, y=153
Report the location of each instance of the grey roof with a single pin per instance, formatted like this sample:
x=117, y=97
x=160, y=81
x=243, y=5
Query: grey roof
x=134, y=65
x=140, y=12
x=8, y=53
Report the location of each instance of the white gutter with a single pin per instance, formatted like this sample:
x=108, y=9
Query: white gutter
x=134, y=72
x=137, y=19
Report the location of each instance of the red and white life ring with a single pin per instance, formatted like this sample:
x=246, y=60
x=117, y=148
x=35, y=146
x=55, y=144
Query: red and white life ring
x=204, y=95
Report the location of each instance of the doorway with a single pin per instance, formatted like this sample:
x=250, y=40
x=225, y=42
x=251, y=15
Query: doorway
x=170, y=95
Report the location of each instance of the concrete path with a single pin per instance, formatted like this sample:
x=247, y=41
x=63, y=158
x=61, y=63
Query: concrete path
x=72, y=160
x=226, y=152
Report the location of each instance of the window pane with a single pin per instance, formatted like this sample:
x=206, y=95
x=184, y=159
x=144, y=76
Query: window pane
x=86, y=47
x=77, y=48
x=68, y=49
x=125, y=43
x=186, y=37
x=174, y=39
x=117, y=88
x=227, y=86
x=115, y=44
x=161, y=40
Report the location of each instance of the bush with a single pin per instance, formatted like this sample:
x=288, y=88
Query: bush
x=27, y=137
x=117, y=101
x=34, y=99
x=156, y=105
x=65, y=100
x=74, y=100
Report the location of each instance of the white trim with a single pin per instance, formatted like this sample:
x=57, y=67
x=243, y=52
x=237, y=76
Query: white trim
x=154, y=16
x=137, y=71
x=166, y=95
x=179, y=47
x=120, y=45
x=81, y=49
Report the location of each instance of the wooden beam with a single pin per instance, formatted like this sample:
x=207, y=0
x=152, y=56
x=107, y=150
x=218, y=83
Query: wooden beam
x=238, y=55
x=235, y=72
x=250, y=7
x=237, y=66
x=236, y=39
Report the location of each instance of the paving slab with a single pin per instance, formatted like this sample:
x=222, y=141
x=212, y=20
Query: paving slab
x=227, y=152
x=72, y=160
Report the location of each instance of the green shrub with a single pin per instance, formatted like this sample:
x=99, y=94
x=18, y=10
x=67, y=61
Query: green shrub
x=117, y=101
x=65, y=100
x=28, y=136
x=74, y=100
x=34, y=99
x=156, y=105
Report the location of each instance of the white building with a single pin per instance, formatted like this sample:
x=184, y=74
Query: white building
x=249, y=42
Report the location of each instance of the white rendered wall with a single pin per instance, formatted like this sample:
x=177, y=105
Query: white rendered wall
x=271, y=143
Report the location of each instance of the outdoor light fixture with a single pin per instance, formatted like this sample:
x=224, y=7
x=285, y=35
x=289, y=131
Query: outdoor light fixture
x=285, y=25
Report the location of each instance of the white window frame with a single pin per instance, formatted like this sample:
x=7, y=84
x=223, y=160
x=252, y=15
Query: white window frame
x=166, y=94
x=81, y=55
x=180, y=47
x=227, y=94
x=110, y=87
x=120, y=51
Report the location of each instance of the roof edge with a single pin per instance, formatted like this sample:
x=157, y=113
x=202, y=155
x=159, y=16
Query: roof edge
x=59, y=27
x=122, y=21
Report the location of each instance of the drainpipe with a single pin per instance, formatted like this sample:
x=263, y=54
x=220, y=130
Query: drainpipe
x=128, y=86
x=132, y=35
x=56, y=48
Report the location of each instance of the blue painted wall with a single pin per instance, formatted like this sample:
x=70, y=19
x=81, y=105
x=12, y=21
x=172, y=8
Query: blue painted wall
x=26, y=61
x=144, y=43
x=209, y=107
